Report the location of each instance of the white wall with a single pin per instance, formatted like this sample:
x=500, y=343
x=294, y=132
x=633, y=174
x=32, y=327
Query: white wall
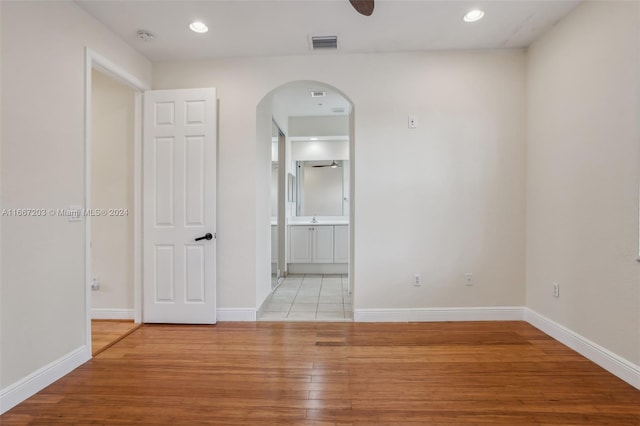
x=440, y=200
x=319, y=150
x=334, y=125
x=260, y=172
x=583, y=170
x=112, y=138
x=43, y=288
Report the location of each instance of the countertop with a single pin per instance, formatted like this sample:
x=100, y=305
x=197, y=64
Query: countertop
x=321, y=220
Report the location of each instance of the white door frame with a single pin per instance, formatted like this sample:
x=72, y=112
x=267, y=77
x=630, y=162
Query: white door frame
x=95, y=61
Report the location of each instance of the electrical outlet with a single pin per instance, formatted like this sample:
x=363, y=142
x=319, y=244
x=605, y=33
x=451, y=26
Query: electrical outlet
x=469, y=277
x=416, y=280
x=556, y=290
x=95, y=284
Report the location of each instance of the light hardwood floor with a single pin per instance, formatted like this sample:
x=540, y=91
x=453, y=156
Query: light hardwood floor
x=105, y=333
x=486, y=373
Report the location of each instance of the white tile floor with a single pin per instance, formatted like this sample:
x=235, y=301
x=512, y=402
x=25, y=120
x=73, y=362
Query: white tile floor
x=310, y=298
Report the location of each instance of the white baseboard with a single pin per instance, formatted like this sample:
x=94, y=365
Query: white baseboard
x=236, y=314
x=318, y=268
x=264, y=303
x=615, y=364
x=14, y=394
x=498, y=313
x=113, y=314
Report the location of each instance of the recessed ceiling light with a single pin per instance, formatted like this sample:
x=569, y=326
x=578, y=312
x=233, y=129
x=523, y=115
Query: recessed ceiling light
x=198, y=27
x=313, y=139
x=473, y=16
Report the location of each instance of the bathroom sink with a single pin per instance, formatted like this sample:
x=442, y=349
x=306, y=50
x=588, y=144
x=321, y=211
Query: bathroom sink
x=318, y=221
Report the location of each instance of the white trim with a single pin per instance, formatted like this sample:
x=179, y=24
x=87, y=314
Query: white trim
x=93, y=60
x=88, y=66
x=236, y=314
x=113, y=314
x=615, y=364
x=137, y=208
x=498, y=313
x=318, y=268
x=265, y=302
x=28, y=386
x=105, y=66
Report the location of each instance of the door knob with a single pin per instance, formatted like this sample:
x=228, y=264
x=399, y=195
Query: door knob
x=207, y=236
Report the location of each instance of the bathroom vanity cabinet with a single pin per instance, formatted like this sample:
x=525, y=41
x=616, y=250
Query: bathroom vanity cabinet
x=318, y=243
x=341, y=244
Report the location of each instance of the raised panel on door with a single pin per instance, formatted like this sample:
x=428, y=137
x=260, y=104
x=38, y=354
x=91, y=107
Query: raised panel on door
x=194, y=257
x=341, y=244
x=194, y=204
x=322, y=244
x=163, y=168
x=163, y=278
x=179, y=189
x=300, y=244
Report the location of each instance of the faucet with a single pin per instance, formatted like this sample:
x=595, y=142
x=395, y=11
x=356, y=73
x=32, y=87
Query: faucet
x=314, y=220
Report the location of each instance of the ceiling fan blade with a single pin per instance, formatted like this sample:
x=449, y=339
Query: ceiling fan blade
x=333, y=165
x=364, y=7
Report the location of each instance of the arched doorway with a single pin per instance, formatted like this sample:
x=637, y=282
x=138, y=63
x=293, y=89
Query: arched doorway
x=308, y=126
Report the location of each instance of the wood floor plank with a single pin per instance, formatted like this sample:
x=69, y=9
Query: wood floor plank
x=484, y=373
x=106, y=333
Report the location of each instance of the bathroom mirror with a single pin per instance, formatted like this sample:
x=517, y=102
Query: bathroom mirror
x=321, y=188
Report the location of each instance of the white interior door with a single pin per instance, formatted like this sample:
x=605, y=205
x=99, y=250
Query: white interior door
x=179, y=205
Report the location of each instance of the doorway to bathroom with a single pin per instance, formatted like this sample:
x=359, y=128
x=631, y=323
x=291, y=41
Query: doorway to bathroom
x=311, y=204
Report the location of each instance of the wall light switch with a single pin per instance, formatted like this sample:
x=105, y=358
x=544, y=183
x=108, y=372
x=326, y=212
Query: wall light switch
x=413, y=122
x=75, y=213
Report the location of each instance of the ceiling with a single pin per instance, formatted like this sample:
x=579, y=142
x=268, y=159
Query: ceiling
x=278, y=27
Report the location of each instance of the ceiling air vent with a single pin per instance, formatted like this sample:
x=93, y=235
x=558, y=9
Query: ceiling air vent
x=337, y=110
x=324, y=42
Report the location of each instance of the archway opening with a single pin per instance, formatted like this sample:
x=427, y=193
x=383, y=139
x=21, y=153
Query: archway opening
x=306, y=131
